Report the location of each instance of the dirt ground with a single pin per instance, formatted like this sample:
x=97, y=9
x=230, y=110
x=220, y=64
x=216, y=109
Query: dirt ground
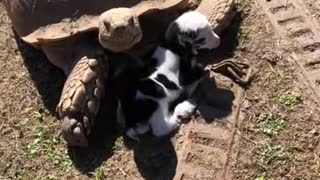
x=275, y=136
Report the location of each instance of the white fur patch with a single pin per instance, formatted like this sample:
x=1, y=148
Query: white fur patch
x=161, y=121
x=168, y=64
x=184, y=110
x=194, y=21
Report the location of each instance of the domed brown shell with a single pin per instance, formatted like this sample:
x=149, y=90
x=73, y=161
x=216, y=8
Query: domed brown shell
x=43, y=21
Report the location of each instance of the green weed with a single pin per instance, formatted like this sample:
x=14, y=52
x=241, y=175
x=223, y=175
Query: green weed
x=34, y=147
x=289, y=100
x=118, y=144
x=22, y=175
x=51, y=177
x=271, y=125
x=269, y=153
x=99, y=174
x=58, y=156
x=318, y=168
x=242, y=4
x=41, y=144
x=261, y=177
x=37, y=116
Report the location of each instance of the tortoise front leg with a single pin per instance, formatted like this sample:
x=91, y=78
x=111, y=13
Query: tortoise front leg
x=232, y=69
x=80, y=100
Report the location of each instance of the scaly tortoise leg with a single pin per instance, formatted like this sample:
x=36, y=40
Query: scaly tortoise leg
x=80, y=99
x=232, y=69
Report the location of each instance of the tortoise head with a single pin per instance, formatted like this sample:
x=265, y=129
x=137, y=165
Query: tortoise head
x=119, y=29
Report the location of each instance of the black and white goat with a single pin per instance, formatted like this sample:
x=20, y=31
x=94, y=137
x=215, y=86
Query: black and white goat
x=162, y=99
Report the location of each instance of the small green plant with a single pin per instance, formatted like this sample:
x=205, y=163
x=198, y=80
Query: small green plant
x=48, y=147
x=99, y=174
x=318, y=168
x=118, y=144
x=271, y=125
x=34, y=147
x=243, y=35
x=261, y=177
x=37, y=116
x=289, y=100
x=59, y=157
x=22, y=175
x=50, y=177
x=242, y=4
x=268, y=153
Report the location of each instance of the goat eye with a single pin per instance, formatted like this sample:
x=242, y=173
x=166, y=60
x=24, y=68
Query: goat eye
x=200, y=41
x=191, y=34
x=107, y=25
x=131, y=21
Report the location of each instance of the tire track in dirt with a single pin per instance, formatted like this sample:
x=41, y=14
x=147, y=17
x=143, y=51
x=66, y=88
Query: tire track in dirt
x=207, y=149
x=204, y=152
x=293, y=20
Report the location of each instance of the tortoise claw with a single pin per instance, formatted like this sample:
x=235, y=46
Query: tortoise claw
x=73, y=132
x=232, y=69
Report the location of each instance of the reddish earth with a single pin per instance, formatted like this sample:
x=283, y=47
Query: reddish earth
x=228, y=139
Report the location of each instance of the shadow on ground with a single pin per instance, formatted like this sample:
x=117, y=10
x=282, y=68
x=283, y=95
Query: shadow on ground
x=47, y=78
x=156, y=158
x=102, y=139
x=214, y=103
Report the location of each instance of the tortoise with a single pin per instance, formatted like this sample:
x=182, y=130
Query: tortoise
x=78, y=37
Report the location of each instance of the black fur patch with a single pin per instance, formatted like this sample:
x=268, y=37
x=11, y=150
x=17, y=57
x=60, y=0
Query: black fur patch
x=166, y=82
x=190, y=73
x=200, y=41
x=173, y=104
x=150, y=67
x=151, y=88
x=140, y=111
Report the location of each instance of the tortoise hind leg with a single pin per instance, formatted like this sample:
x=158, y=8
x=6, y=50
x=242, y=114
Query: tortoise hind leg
x=80, y=100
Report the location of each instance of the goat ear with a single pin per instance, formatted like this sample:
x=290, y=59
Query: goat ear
x=172, y=31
